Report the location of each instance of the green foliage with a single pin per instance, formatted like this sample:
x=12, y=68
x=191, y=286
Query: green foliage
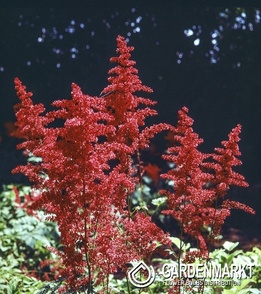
x=23, y=241
x=13, y=281
x=151, y=203
x=227, y=255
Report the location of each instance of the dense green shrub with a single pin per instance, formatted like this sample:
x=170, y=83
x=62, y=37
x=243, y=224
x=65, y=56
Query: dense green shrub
x=23, y=241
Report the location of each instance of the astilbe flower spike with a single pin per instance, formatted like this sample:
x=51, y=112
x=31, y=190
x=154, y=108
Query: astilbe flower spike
x=189, y=199
x=31, y=126
x=129, y=112
x=91, y=164
x=128, y=109
x=223, y=176
x=72, y=178
x=225, y=158
x=200, y=186
x=86, y=172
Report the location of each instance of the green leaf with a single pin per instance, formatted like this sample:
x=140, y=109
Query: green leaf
x=159, y=201
x=229, y=246
x=180, y=244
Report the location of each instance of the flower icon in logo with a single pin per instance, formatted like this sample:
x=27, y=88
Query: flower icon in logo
x=141, y=283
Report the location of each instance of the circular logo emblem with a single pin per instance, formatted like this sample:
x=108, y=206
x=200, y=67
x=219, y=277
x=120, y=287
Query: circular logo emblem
x=141, y=283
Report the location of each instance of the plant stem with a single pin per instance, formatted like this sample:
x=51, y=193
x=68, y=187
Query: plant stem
x=128, y=284
x=87, y=258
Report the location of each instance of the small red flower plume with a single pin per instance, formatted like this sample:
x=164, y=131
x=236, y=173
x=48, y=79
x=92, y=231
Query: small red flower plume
x=199, y=183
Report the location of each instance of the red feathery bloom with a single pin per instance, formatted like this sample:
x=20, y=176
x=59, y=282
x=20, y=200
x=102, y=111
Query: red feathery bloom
x=225, y=158
x=194, y=199
x=73, y=173
x=129, y=113
x=143, y=235
x=86, y=174
x=189, y=197
x=128, y=109
x=30, y=121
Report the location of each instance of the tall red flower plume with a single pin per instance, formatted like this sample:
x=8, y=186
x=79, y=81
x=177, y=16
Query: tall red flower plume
x=129, y=113
x=86, y=174
x=89, y=167
x=128, y=109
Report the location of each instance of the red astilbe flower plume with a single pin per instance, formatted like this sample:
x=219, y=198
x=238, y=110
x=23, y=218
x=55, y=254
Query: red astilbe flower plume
x=72, y=177
x=120, y=94
x=86, y=173
x=194, y=201
x=129, y=113
x=30, y=121
x=225, y=159
x=143, y=236
x=189, y=199
x=31, y=126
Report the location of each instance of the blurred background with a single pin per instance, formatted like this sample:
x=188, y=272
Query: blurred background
x=206, y=58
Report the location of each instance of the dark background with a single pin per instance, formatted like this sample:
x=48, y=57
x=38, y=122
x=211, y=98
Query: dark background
x=206, y=58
